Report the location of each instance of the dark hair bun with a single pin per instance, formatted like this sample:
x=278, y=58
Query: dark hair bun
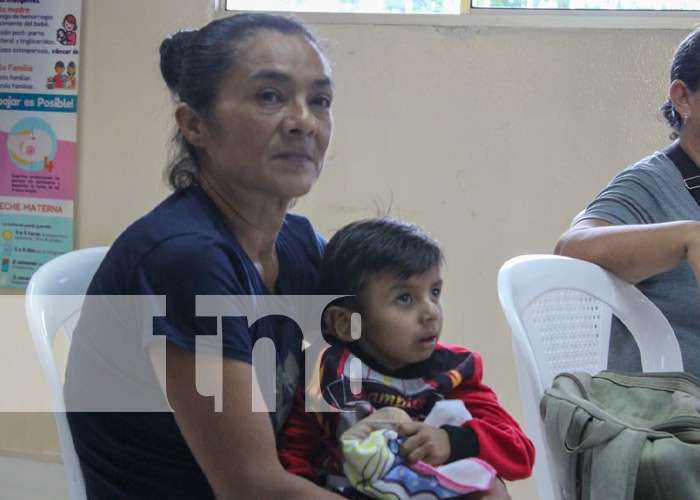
x=171, y=51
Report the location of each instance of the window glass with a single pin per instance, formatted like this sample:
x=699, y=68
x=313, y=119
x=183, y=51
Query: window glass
x=359, y=6
x=591, y=4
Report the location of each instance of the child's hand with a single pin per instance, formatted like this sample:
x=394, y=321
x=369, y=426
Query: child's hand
x=424, y=442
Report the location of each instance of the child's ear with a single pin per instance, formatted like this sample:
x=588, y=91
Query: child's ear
x=340, y=322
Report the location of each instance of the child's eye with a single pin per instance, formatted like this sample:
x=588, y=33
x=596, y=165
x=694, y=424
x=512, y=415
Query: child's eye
x=404, y=298
x=435, y=292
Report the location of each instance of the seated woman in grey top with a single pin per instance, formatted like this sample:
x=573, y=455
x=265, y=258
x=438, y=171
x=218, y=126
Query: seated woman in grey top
x=645, y=225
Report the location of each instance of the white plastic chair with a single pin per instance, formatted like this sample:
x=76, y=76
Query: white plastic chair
x=54, y=298
x=559, y=310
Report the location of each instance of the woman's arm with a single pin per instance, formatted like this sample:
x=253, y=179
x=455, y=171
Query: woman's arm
x=633, y=252
x=235, y=447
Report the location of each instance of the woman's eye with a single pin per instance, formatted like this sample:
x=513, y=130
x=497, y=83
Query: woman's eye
x=323, y=101
x=269, y=97
x=404, y=298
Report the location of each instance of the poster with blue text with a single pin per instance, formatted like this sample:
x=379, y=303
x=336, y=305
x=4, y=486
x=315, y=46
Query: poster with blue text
x=39, y=68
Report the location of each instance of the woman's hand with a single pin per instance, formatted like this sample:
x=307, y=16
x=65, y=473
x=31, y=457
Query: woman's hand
x=424, y=442
x=692, y=254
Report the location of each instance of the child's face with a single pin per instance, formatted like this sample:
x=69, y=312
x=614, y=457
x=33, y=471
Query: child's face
x=401, y=318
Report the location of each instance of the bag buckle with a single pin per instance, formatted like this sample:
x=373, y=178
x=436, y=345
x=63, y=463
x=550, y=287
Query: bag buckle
x=692, y=185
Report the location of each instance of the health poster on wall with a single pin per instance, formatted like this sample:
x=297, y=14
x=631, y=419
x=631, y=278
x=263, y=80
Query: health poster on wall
x=39, y=68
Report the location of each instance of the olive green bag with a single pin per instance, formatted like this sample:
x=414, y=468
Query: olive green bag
x=621, y=436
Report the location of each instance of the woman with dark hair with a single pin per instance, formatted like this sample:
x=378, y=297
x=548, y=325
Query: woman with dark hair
x=645, y=225
x=253, y=95
x=67, y=35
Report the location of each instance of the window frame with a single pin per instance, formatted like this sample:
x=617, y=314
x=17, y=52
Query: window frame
x=510, y=18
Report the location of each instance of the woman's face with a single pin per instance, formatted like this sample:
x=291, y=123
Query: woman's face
x=272, y=121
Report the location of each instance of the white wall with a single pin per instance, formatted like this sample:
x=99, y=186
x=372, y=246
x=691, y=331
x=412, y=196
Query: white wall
x=491, y=138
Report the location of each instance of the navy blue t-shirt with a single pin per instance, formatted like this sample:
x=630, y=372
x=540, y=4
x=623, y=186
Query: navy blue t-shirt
x=180, y=250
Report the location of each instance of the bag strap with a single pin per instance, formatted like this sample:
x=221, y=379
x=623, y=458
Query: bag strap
x=688, y=169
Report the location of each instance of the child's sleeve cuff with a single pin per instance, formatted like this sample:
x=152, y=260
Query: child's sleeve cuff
x=463, y=442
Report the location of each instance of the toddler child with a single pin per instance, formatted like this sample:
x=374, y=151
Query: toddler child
x=391, y=270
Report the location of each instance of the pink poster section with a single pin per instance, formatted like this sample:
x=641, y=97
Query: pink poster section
x=39, y=68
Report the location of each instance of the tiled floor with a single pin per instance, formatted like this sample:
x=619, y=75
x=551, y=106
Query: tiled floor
x=28, y=480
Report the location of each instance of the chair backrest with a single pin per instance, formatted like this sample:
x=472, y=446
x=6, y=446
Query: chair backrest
x=53, y=302
x=559, y=310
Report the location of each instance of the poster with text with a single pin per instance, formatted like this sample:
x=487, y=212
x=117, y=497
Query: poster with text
x=39, y=68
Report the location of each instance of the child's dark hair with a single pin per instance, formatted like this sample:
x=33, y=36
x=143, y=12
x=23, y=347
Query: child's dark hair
x=375, y=246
